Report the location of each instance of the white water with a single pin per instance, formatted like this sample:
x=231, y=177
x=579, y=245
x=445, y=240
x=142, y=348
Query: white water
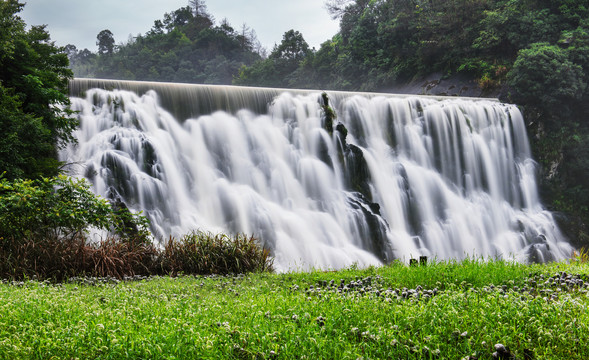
x=453, y=177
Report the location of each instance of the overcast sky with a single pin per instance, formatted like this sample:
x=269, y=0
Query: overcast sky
x=79, y=21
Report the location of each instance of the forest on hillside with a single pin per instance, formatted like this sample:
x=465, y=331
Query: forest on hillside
x=185, y=46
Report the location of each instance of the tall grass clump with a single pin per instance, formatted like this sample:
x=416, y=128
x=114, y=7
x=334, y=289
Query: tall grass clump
x=203, y=253
x=56, y=258
x=581, y=256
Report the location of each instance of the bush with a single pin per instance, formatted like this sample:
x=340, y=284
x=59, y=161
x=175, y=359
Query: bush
x=60, y=207
x=43, y=234
x=199, y=253
x=205, y=253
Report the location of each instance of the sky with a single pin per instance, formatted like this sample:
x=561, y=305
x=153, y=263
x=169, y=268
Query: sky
x=78, y=22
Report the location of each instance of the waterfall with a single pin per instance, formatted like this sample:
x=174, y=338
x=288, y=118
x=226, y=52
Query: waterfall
x=398, y=177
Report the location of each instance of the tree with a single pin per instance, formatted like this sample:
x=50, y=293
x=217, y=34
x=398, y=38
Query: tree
x=105, y=42
x=71, y=51
x=157, y=29
x=544, y=77
x=280, y=68
x=34, y=79
x=246, y=37
x=293, y=47
x=180, y=47
x=199, y=8
x=182, y=17
x=337, y=8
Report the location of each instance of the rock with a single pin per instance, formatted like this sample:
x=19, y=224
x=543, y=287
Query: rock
x=328, y=113
x=501, y=352
x=500, y=348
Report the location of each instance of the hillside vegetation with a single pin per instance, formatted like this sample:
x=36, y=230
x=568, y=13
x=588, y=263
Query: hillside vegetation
x=186, y=46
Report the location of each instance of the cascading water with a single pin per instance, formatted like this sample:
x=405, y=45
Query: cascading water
x=398, y=177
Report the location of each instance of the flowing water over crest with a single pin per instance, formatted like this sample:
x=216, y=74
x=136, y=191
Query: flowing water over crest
x=396, y=177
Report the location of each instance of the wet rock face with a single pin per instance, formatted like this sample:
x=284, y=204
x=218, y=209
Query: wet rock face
x=351, y=157
x=375, y=228
x=441, y=85
x=357, y=178
x=357, y=172
x=328, y=113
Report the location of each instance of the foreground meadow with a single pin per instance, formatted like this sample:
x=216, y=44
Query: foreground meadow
x=447, y=310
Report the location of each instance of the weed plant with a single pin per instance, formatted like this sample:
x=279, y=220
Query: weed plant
x=205, y=253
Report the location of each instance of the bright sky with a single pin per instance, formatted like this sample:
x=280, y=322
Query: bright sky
x=79, y=21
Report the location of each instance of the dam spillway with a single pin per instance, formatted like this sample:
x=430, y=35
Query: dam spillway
x=396, y=176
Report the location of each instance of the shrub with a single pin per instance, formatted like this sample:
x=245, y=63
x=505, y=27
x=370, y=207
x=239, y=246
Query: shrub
x=198, y=253
x=205, y=253
x=43, y=234
x=60, y=207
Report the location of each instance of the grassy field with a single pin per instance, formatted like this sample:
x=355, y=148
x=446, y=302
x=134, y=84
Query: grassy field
x=446, y=310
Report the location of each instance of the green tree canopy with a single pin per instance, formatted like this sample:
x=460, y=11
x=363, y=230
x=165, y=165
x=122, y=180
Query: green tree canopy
x=34, y=78
x=281, y=66
x=544, y=76
x=105, y=42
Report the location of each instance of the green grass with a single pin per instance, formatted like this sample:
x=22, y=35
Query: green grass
x=476, y=305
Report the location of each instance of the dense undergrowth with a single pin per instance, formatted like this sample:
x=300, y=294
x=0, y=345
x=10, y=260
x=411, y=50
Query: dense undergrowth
x=45, y=230
x=473, y=309
x=198, y=253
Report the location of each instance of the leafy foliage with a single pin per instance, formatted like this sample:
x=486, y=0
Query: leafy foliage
x=544, y=76
x=34, y=78
x=381, y=43
x=59, y=207
x=105, y=42
x=281, y=67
